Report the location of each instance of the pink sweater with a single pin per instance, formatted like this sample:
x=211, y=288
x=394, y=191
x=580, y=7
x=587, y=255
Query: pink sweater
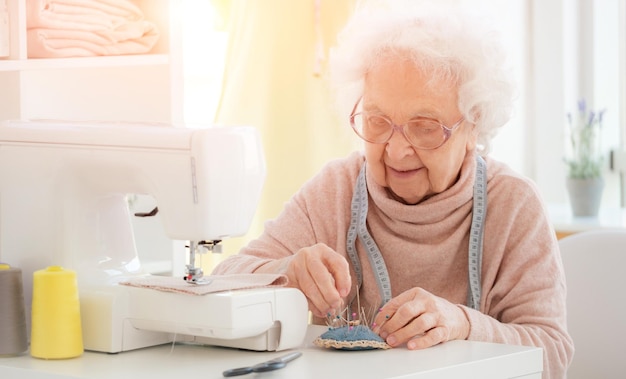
x=426, y=245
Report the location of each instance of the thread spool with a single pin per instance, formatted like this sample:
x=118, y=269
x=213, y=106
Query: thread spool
x=56, y=331
x=13, y=339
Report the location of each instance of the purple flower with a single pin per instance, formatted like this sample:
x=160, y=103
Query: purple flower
x=592, y=115
x=600, y=115
x=585, y=156
x=582, y=106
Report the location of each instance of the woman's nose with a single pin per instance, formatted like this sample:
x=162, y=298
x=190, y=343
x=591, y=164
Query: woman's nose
x=398, y=146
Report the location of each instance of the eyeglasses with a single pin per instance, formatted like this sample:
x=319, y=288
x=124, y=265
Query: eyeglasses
x=423, y=133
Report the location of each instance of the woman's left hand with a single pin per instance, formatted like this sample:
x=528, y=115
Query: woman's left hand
x=420, y=319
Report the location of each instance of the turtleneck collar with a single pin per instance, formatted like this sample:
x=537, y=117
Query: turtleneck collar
x=433, y=209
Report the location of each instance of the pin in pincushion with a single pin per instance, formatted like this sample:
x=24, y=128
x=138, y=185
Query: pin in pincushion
x=359, y=337
x=344, y=334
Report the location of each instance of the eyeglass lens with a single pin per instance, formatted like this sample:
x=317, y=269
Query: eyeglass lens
x=421, y=133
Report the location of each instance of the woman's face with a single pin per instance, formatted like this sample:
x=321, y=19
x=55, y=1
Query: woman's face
x=397, y=90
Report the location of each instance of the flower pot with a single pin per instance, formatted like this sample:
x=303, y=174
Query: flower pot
x=585, y=196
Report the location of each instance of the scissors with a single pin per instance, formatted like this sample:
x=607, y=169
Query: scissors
x=271, y=365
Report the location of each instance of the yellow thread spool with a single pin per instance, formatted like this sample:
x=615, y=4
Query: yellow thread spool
x=56, y=331
x=13, y=339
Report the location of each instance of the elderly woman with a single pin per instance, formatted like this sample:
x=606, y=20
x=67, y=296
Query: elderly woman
x=448, y=242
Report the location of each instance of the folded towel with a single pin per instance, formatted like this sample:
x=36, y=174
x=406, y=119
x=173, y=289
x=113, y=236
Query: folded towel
x=80, y=14
x=216, y=283
x=136, y=38
x=80, y=28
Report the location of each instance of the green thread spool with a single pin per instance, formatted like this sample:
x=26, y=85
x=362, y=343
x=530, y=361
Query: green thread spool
x=56, y=327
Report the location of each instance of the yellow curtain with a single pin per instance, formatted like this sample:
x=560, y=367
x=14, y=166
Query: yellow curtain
x=275, y=79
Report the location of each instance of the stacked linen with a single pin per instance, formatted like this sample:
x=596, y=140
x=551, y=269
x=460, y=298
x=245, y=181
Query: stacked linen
x=83, y=28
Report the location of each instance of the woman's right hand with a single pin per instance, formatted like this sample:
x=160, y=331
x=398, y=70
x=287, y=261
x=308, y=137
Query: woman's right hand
x=322, y=275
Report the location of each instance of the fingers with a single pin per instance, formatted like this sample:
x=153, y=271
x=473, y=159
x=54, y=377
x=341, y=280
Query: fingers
x=403, y=319
x=323, y=276
x=420, y=332
x=431, y=338
x=420, y=319
x=388, y=320
x=318, y=284
x=339, y=268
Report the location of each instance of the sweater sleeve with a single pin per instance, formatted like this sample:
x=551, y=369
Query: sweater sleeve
x=523, y=282
x=277, y=242
x=312, y=215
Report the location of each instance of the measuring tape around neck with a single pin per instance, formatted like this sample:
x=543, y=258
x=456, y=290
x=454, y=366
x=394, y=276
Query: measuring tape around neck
x=479, y=212
x=358, y=228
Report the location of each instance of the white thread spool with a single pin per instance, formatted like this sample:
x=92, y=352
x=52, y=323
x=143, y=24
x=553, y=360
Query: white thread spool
x=13, y=339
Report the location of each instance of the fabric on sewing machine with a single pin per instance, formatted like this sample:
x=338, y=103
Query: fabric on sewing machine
x=217, y=283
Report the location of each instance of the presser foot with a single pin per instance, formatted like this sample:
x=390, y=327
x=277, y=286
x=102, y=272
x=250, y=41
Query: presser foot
x=196, y=276
x=199, y=282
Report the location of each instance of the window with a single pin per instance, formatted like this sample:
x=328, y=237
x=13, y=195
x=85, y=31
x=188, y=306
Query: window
x=576, y=49
x=204, y=49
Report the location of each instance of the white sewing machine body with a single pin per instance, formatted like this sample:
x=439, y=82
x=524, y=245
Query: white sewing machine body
x=121, y=318
x=63, y=201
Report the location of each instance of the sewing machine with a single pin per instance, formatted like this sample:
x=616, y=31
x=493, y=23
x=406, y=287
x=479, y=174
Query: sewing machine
x=63, y=201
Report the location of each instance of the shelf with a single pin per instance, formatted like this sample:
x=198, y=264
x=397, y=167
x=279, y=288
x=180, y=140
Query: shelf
x=85, y=62
x=565, y=223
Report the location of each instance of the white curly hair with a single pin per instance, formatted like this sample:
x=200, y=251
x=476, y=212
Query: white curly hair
x=451, y=42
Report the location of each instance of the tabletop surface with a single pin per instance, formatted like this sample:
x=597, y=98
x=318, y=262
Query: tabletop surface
x=454, y=359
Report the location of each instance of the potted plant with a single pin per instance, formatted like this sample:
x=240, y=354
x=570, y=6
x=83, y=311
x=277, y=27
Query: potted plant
x=585, y=161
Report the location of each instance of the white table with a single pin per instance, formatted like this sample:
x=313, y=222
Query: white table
x=455, y=359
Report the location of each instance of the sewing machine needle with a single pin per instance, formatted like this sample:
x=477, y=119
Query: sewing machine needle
x=273, y=364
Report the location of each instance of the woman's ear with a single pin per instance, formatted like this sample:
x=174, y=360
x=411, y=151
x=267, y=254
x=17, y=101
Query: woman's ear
x=472, y=137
